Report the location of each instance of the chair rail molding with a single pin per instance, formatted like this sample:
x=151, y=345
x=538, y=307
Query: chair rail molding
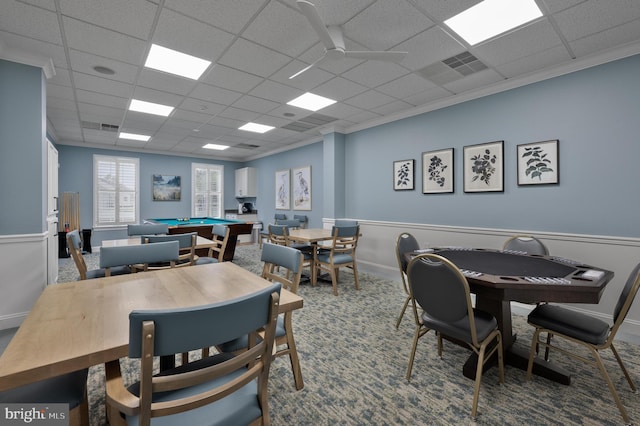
x=376, y=254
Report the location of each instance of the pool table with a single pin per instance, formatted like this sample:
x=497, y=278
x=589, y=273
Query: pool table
x=204, y=227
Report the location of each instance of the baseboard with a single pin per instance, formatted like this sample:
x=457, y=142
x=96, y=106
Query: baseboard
x=13, y=320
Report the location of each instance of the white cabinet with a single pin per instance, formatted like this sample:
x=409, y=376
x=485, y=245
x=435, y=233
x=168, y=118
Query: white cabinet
x=246, y=182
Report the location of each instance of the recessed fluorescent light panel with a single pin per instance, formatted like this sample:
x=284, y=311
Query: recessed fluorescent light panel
x=255, y=127
x=215, y=146
x=174, y=62
x=492, y=17
x=133, y=136
x=150, y=108
x=311, y=102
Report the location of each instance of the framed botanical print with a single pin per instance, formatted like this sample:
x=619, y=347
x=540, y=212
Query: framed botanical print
x=403, y=175
x=538, y=163
x=437, y=171
x=301, y=188
x=484, y=167
x=282, y=190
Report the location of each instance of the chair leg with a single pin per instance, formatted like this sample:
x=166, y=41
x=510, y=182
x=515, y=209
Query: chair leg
x=402, y=311
x=624, y=370
x=355, y=275
x=416, y=335
x=334, y=280
x=476, y=387
x=295, y=361
x=532, y=352
x=616, y=398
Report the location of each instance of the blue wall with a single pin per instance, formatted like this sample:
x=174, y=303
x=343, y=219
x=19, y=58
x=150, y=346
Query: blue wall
x=595, y=115
x=76, y=175
x=310, y=155
x=23, y=149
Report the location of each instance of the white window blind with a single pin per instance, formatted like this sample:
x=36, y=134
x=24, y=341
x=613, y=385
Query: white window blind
x=115, y=190
x=207, y=187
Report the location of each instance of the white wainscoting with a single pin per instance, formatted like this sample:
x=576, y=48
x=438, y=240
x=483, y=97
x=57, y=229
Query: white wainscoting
x=376, y=254
x=23, y=265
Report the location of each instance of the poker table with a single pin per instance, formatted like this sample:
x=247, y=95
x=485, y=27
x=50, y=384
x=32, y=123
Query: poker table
x=498, y=277
x=204, y=227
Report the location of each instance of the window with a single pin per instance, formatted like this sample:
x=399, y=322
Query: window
x=207, y=190
x=116, y=190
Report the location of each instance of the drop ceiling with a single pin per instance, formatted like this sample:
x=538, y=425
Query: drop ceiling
x=255, y=45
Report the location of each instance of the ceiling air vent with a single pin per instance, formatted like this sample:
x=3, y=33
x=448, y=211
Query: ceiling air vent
x=100, y=126
x=309, y=122
x=246, y=146
x=452, y=69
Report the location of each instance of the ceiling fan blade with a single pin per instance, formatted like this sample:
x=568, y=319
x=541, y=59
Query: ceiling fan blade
x=316, y=62
x=372, y=55
x=314, y=18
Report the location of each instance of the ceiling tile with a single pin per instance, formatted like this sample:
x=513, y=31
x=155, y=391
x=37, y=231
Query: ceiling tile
x=85, y=62
x=375, y=73
x=369, y=100
x=102, y=85
x=103, y=42
x=161, y=81
x=255, y=104
x=131, y=17
x=190, y=36
x=230, y=16
x=246, y=55
x=30, y=21
x=231, y=79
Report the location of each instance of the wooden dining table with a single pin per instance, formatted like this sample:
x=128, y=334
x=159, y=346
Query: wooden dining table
x=79, y=324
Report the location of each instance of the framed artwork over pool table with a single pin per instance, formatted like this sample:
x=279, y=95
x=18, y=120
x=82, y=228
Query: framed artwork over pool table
x=166, y=188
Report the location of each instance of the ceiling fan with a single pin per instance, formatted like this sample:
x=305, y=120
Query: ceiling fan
x=333, y=41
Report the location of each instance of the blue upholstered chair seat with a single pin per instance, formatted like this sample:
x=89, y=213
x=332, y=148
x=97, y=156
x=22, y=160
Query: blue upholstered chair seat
x=242, y=342
x=206, y=260
x=238, y=408
x=485, y=324
x=99, y=273
x=68, y=388
x=337, y=259
x=570, y=323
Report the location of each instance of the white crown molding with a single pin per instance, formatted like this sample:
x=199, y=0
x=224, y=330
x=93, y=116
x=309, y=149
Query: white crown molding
x=28, y=58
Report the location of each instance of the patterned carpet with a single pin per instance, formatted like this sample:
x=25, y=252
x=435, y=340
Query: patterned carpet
x=354, y=362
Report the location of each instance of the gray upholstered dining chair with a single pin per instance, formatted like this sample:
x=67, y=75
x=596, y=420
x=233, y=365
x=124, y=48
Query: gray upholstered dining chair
x=290, y=261
x=70, y=388
x=406, y=243
x=148, y=229
x=75, y=248
x=218, y=389
x=341, y=254
x=589, y=332
x=526, y=244
x=140, y=255
x=439, y=288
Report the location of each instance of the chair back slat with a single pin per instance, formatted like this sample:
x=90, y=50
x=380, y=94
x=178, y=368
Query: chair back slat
x=148, y=229
x=627, y=296
x=142, y=253
x=186, y=329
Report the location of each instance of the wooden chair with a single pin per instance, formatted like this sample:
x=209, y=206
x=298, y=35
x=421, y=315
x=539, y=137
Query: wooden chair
x=439, y=288
x=588, y=332
x=140, y=255
x=215, y=390
x=290, y=260
x=341, y=254
x=68, y=388
x=75, y=248
x=216, y=252
x=186, y=244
